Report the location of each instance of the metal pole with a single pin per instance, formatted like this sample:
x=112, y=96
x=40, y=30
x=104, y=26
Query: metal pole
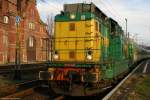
x=126, y=26
x=127, y=39
x=48, y=51
x=17, y=75
x=48, y=48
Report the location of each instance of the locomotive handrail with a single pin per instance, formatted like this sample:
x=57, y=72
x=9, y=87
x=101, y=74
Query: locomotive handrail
x=77, y=37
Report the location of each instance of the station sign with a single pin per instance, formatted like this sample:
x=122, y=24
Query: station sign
x=18, y=19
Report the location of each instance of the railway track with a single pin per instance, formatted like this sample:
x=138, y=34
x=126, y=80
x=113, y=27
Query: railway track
x=59, y=98
x=30, y=90
x=19, y=90
x=21, y=94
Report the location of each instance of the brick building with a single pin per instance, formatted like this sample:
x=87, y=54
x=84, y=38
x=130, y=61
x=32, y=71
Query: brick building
x=31, y=32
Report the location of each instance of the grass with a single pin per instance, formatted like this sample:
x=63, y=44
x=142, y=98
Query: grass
x=4, y=82
x=142, y=89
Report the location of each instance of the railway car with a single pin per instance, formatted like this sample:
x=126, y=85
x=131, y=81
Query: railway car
x=140, y=53
x=89, y=51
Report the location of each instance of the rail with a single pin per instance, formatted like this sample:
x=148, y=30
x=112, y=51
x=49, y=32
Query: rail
x=20, y=90
x=59, y=98
x=19, y=95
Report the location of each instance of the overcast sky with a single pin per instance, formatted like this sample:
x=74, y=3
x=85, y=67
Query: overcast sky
x=136, y=11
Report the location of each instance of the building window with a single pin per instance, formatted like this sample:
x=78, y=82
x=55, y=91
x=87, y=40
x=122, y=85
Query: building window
x=31, y=42
x=5, y=40
x=0, y=4
x=44, y=44
x=72, y=26
x=41, y=42
x=41, y=29
x=31, y=26
x=32, y=12
x=23, y=14
x=6, y=19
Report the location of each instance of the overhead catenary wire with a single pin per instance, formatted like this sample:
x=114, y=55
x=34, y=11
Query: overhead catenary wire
x=116, y=15
x=116, y=12
x=111, y=13
x=54, y=6
x=60, y=3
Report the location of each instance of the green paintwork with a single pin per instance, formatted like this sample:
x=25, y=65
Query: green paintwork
x=116, y=48
x=79, y=65
x=118, y=63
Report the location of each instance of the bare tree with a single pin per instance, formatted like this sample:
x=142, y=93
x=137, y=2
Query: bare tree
x=50, y=24
x=50, y=30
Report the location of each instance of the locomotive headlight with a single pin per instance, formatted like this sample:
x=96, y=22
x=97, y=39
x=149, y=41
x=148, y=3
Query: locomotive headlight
x=89, y=55
x=72, y=16
x=56, y=56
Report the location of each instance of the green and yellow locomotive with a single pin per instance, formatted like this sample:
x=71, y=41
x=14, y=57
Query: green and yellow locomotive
x=89, y=51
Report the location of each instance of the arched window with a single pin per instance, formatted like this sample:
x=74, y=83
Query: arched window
x=5, y=40
x=0, y=4
x=31, y=26
x=31, y=41
x=6, y=19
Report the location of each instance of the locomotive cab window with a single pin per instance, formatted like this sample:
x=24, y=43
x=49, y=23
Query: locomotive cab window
x=31, y=44
x=72, y=26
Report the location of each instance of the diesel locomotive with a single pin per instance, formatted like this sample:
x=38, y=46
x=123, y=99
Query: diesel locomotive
x=90, y=51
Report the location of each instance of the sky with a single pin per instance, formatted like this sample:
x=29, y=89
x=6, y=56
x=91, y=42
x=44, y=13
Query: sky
x=137, y=13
